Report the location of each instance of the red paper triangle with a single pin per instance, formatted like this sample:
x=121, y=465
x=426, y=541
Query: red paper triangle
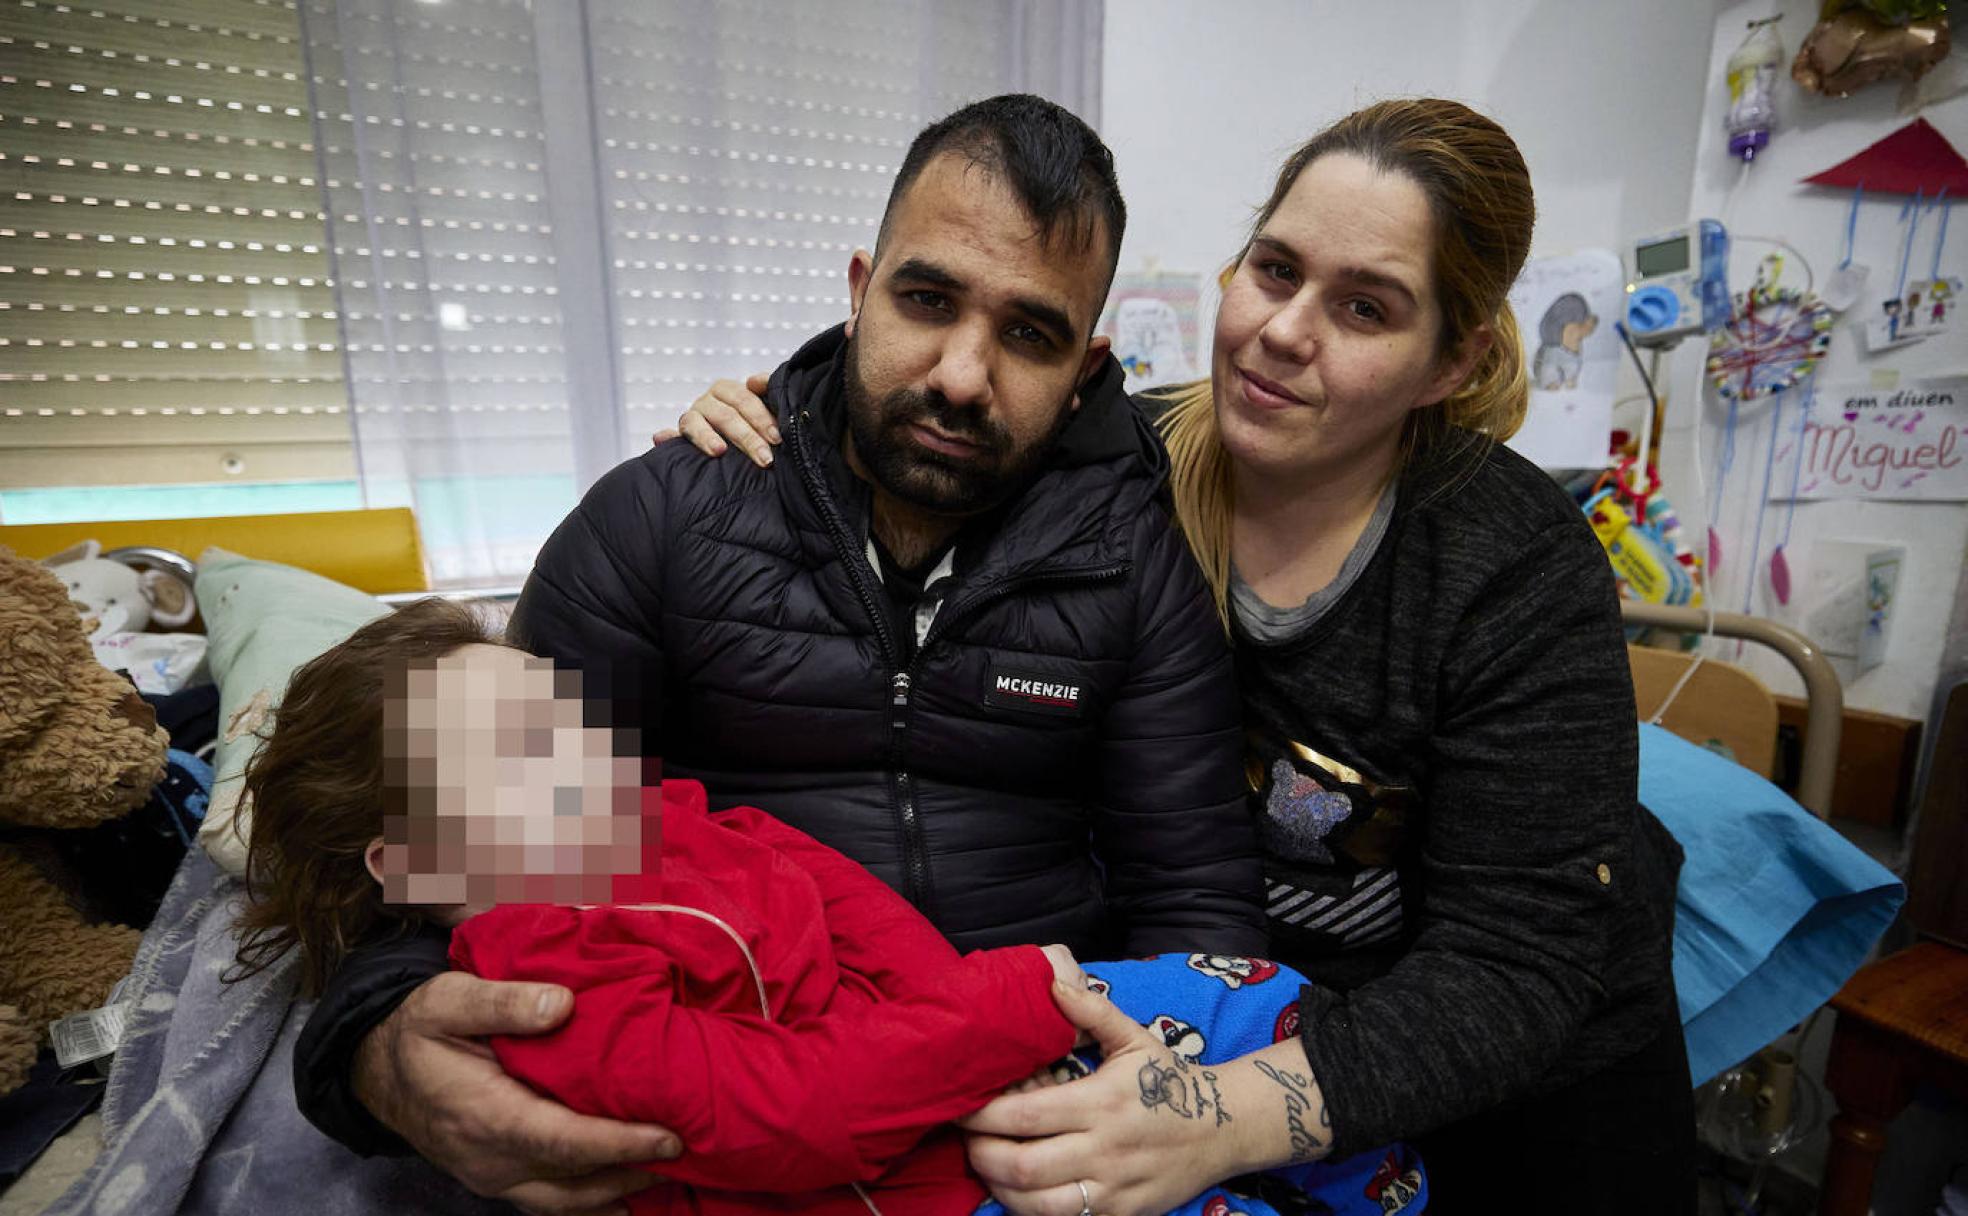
x=1915, y=158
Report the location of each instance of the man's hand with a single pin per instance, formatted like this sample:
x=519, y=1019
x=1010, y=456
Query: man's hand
x=426, y=1075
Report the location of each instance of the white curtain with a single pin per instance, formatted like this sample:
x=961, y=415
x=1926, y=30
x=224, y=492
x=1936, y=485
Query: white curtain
x=552, y=223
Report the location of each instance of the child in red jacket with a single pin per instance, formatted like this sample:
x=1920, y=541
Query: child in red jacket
x=807, y=1034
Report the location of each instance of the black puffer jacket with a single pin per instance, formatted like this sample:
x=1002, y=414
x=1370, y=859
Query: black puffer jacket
x=745, y=596
x=740, y=606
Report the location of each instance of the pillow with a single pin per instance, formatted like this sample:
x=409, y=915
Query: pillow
x=1775, y=909
x=264, y=620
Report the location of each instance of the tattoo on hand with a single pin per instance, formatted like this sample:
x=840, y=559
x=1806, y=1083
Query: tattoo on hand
x=1162, y=1085
x=1306, y=1144
x=1169, y=1084
x=1215, y=1098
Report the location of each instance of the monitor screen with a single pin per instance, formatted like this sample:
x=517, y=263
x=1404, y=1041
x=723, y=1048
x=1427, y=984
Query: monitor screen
x=1661, y=257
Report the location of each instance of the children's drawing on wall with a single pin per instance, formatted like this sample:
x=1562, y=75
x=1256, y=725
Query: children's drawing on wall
x=1943, y=297
x=1561, y=336
x=1848, y=606
x=1564, y=308
x=1152, y=319
x=1923, y=312
x=1882, y=579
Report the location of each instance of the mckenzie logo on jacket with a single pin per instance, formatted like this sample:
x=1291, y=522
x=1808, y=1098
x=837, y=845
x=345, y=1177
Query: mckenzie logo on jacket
x=1050, y=694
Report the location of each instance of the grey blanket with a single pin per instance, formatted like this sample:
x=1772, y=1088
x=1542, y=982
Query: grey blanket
x=199, y=1114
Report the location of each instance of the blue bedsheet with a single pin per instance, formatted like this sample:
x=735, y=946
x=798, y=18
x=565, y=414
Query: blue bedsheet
x=1775, y=911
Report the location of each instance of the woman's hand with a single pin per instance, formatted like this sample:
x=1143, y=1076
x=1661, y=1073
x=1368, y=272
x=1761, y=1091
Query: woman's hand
x=1145, y=1133
x=732, y=412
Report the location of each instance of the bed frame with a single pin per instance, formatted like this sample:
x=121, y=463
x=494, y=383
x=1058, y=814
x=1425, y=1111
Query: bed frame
x=1655, y=672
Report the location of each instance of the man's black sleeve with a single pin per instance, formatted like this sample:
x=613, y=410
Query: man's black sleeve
x=1172, y=827
x=364, y=992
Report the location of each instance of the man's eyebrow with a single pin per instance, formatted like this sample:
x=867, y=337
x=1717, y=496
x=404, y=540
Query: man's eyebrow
x=1046, y=316
x=1043, y=313
x=1362, y=275
x=918, y=271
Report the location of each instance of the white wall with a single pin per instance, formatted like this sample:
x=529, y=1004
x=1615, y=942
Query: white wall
x=1814, y=133
x=1617, y=109
x=1201, y=101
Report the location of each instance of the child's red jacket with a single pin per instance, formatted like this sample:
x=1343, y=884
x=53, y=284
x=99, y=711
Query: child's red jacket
x=875, y=1032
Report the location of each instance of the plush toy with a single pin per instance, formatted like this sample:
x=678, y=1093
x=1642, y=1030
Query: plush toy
x=78, y=746
x=113, y=597
x=122, y=607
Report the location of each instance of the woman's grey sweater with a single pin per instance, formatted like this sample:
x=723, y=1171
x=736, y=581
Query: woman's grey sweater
x=1500, y=923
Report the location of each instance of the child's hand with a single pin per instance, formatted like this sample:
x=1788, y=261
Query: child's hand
x=1038, y=1080
x=1065, y=968
x=1060, y=1072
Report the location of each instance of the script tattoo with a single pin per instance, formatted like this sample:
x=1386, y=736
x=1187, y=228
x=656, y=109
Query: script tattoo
x=1215, y=1098
x=1305, y=1143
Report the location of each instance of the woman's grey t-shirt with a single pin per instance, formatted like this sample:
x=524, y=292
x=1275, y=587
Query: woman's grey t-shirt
x=1267, y=623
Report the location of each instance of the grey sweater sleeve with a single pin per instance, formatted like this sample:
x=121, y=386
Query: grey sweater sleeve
x=1530, y=811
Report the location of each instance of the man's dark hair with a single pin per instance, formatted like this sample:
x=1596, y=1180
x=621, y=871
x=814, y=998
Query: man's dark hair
x=1053, y=162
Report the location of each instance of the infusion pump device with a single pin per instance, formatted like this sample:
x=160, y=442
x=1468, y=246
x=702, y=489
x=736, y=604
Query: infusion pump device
x=1678, y=284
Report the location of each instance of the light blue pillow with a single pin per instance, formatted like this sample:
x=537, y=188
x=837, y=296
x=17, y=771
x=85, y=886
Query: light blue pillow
x=1775, y=909
x=264, y=620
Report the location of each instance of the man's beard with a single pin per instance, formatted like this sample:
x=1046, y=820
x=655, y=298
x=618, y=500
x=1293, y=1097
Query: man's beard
x=931, y=480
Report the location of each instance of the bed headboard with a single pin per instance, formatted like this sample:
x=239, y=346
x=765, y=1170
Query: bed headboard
x=376, y=551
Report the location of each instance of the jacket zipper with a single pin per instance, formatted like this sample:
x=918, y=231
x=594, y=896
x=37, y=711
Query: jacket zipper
x=901, y=796
x=901, y=783
x=915, y=849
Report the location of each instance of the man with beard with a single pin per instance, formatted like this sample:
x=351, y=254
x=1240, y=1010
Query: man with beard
x=951, y=633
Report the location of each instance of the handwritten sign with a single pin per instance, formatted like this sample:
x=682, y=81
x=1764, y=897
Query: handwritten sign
x=1906, y=444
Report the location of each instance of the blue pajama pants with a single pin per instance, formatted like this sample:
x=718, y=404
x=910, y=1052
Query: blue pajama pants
x=1211, y=1009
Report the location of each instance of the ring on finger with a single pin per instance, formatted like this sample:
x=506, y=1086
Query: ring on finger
x=1086, y=1199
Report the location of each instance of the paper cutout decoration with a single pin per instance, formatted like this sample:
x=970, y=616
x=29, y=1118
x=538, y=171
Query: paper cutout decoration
x=1915, y=158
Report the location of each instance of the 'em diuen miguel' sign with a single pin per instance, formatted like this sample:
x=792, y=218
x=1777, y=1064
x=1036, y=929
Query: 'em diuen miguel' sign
x=1903, y=444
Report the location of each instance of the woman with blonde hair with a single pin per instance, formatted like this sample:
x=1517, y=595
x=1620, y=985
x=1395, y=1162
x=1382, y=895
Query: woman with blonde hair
x=1443, y=752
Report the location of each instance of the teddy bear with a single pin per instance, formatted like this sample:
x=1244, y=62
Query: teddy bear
x=78, y=746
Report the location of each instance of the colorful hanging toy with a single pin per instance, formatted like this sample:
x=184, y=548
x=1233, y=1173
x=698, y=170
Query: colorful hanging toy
x=1774, y=336
x=1650, y=558
x=1642, y=535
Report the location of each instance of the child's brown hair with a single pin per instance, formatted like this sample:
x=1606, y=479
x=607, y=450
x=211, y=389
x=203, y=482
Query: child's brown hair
x=319, y=789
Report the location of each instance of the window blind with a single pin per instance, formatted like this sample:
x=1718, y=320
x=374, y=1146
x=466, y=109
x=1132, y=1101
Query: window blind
x=468, y=253
x=747, y=151
x=434, y=149
x=166, y=310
